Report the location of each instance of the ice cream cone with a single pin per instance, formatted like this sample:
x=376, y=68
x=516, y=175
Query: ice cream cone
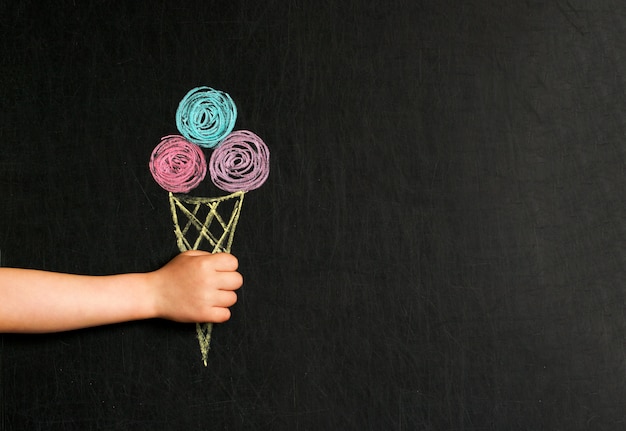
x=239, y=163
x=199, y=225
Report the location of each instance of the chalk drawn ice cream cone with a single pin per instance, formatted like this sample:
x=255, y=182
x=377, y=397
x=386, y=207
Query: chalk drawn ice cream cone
x=209, y=224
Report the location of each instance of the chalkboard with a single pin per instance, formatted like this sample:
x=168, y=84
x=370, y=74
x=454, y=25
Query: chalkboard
x=439, y=245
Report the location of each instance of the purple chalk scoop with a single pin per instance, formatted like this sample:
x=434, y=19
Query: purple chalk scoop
x=240, y=163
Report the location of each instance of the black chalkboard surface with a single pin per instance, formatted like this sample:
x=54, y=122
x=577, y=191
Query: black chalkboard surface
x=439, y=246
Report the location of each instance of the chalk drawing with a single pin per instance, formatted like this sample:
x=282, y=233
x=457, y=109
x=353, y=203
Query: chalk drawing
x=199, y=225
x=205, y=116
x=177, y=165
x=239, y=163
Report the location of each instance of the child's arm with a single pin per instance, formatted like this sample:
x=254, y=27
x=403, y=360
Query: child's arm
x=195, y=286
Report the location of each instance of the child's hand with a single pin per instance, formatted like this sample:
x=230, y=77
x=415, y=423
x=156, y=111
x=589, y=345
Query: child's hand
x=196, y=286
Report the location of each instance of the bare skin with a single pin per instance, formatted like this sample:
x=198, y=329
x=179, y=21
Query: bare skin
x=195, y=286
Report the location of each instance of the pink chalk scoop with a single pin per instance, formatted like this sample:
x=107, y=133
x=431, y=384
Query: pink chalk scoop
x=177, y=165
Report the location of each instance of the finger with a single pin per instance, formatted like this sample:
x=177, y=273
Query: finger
x=229, y=280
x=225, y=262
x=226, y=298
x=219, y=315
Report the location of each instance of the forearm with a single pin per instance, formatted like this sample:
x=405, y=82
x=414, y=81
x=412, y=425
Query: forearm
x=40, y=301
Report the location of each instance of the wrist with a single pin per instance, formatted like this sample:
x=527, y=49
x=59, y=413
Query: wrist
x=146, y=295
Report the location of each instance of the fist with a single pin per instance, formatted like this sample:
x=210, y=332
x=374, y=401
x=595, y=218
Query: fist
x=197, y=286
